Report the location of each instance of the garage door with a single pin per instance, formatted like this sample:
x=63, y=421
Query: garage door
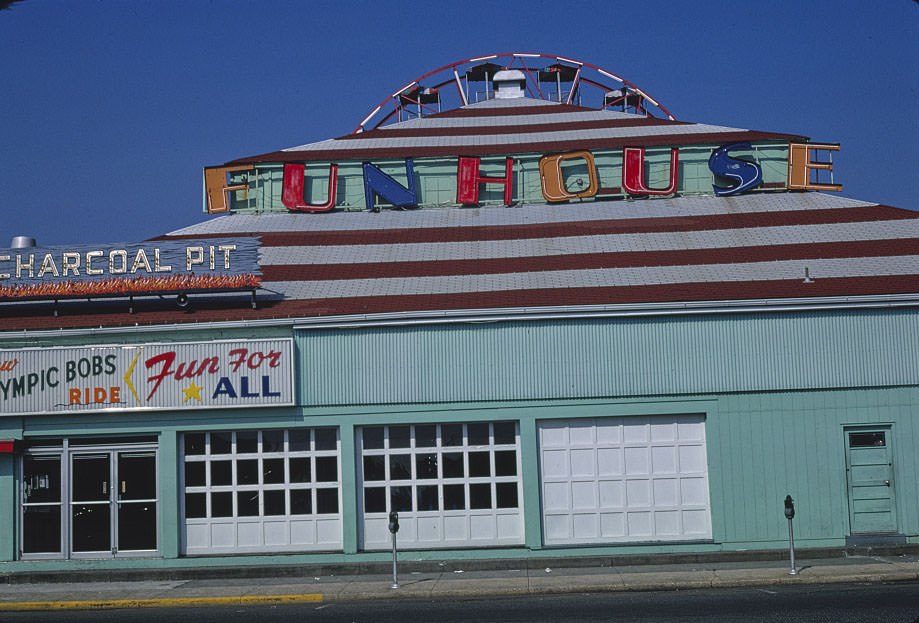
x=629, y=479
x=261, y=491
x=453, y=485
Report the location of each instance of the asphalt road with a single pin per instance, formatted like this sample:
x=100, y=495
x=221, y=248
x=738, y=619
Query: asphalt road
x=863, y=603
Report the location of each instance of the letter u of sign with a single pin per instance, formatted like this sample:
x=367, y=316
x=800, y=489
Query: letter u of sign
x=292, y=194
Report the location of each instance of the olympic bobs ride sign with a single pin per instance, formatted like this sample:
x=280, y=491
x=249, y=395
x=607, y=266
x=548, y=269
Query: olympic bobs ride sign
x=194, y=375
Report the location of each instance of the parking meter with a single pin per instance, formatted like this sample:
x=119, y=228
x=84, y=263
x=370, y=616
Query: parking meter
x=790, y=514
x=393, y=528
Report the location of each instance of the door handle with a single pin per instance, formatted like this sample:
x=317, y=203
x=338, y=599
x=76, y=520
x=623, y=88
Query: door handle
x=886, y=483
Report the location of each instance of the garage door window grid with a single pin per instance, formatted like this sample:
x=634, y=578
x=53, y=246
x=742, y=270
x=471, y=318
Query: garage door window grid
x=261, y=473
x=440, y=467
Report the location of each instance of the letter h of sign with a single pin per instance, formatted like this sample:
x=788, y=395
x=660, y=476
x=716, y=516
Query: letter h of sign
x=468, y=180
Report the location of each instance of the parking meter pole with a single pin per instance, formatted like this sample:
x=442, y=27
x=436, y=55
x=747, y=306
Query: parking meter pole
x=395, y=574
x=790, y=515
x=791, y=548
x=394, y=528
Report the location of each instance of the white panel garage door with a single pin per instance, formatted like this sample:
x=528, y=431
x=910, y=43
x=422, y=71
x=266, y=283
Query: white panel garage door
x=626, y=479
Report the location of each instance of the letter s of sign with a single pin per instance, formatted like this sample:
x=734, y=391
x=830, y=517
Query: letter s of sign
x=747, y=174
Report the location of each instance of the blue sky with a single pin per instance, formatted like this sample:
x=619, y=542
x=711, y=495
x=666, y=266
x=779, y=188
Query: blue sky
x=110, y=110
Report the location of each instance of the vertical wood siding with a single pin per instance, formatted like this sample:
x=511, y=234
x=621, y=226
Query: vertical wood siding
x=609, y=357
x=763, y=447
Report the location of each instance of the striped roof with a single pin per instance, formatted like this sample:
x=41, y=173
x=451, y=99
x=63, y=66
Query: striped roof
x=765, y=247
x=512, y=126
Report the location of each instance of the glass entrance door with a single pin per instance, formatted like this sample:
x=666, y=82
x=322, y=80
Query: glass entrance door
x=90, y=507
x=136, y=496
x=113, y=503
x=89, y=498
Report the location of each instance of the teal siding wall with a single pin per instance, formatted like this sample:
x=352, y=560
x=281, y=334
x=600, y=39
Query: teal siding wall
x=762, y=447
x=609, y=357
x=776, y=389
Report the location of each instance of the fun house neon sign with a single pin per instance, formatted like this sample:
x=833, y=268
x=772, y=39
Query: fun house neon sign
x=743, y=175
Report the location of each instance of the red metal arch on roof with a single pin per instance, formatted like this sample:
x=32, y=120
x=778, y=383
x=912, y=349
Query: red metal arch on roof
x=413, y=93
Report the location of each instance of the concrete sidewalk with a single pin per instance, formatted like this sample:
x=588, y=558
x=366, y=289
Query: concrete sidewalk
x=456, y=583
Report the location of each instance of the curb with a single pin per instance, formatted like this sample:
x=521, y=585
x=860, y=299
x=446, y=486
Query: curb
x=165, y=602
x=240, y=569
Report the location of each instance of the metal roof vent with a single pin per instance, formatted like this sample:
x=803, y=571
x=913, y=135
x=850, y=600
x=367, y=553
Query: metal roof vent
x=509, y=83
x=22, y=242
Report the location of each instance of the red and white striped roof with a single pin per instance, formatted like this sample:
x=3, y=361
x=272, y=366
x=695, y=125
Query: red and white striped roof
x=640, y=254
x=513, y=126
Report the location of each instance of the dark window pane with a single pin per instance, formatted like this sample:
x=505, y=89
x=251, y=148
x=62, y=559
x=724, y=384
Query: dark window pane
x=221, y=443
x=400, y=436
x=375, y=500
x=478, y=433
x=247, y=503
x=326, y=438
x=42, y=477
x=272, y=471
x=247, y=472
x=505, y=433
x=91, y=478
x=246, y=442
x=91, y=524
x=326, y=501
x=41, y=529
x=454, y=497
x=480, y=496
x=194, y=443
x=298, y=440
x=195, y=505
x=400, y=499
x=195, y=474
x=274, y=503
x=301, y=502
x=137, y=476
x=426, y=436
x=426, y=466
x=300, y=469
x=221, y=473
x=453, y=465
x=137, y=526
x=451, y=434
x=479, y=465
x=373, y=437
x=506, y=494
x=505, y=462
x=326, y=469
x=222, y=504
x=427, y=498
x=400, y=466
x=375, y=467
x=273, y=441
x=864, y=440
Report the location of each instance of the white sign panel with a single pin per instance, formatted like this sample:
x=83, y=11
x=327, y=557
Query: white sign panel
x=147, y=376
